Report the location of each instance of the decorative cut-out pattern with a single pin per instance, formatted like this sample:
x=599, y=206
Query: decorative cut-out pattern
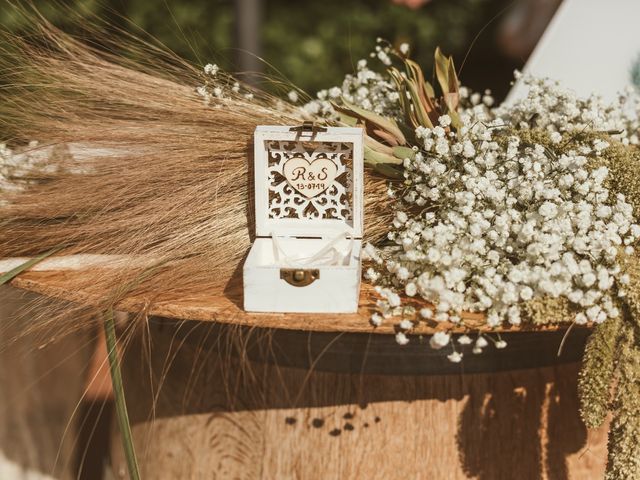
x=303, y=184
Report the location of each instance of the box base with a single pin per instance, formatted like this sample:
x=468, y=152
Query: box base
x=336, y=290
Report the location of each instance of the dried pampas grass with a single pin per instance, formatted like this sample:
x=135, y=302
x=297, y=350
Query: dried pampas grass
x=152, y=171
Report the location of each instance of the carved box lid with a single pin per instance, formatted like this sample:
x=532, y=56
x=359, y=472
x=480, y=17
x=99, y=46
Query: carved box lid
x=308, y=181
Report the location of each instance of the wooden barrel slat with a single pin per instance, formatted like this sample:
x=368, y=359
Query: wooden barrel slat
x=221, y=415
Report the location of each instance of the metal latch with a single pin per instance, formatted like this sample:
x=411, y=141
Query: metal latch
x=299, y=277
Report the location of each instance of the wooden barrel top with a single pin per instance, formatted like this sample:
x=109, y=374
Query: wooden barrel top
x=331, y=342
x=226, y=308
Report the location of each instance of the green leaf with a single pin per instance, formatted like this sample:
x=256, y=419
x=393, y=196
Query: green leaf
x=455, y=119
x=375, y=145
x=387, y=124
x=372, y=157
x=404, y=152
x=422, y=116
x=425, y=90
x=448, y=79
x=386, y=136
x=405, y=104
x=442, y=70
x=424, y=100
x=114, y=365
x=348, y=120
x=13, y=273
x=388, y=171
x=452, y=95
x=429, y=91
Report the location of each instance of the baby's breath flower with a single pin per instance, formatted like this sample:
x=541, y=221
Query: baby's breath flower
x=455, y=357
x=211, y=69
x=406, y=324
x=439, y=340
x=555, y=137
x=488, y=216
x=376, y=320
x=426, y=313
x=411, y=289
x=365, y=88
x=444, y=120
x=505, y=220
x=401, y=338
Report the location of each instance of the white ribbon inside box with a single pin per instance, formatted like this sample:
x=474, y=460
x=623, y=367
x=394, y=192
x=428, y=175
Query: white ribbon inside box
x=309, y=220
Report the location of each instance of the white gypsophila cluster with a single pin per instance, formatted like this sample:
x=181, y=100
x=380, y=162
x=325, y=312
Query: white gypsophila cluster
x=17, y=168
x=558, y=110
x=486, y=221
x=217, y=86
x=365, y=88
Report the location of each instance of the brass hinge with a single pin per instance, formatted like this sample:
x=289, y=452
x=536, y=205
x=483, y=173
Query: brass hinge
x=308, y=127
x=299, y=277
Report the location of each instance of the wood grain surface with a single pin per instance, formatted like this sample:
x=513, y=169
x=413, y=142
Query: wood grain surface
x=203, y=412
x=226, y=307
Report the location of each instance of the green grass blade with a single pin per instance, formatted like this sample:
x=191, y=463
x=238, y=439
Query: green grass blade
x=118, y=391
x=13, y=273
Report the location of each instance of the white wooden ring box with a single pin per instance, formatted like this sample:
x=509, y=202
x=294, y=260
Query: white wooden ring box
x=309, y=220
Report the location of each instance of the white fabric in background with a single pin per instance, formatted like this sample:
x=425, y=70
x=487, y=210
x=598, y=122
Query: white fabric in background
x=590, y=46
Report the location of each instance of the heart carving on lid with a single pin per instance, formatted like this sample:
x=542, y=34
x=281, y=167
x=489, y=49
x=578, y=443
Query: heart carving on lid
x=310, y=178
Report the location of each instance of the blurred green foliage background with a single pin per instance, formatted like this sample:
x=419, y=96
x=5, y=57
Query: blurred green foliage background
x=313, y=44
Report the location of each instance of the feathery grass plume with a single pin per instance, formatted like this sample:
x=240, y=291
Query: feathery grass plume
x=623, y=460
x=155, y=172
x=597, y=372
